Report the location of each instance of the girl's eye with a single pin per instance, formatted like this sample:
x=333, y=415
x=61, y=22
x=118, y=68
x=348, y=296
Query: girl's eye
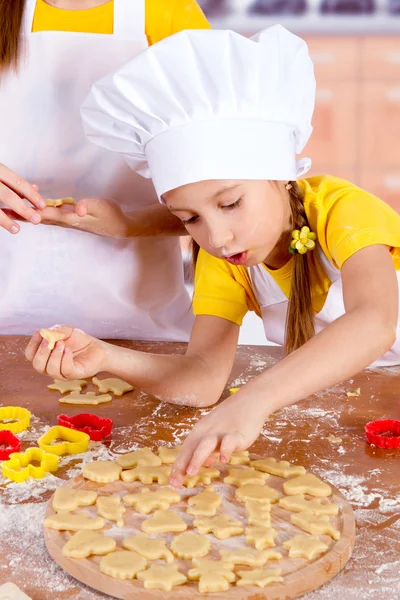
x=190, y=221
x=233, y=205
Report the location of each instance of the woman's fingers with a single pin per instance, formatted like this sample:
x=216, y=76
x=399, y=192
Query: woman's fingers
x=17, y=184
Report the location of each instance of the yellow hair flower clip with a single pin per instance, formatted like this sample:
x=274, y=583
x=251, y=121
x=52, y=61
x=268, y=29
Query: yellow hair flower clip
x=302, y=241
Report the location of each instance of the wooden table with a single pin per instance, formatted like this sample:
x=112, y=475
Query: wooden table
x=368, y=477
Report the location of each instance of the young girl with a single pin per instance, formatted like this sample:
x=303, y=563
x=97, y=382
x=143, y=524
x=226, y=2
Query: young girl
x=217, y=120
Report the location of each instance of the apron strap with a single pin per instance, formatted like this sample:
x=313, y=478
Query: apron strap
x=29, y=13
x=129, y=19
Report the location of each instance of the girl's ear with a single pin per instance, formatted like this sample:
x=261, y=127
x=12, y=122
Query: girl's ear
x=288, y=186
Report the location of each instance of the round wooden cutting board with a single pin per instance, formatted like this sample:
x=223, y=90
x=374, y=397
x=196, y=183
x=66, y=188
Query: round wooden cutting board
x=300, y=576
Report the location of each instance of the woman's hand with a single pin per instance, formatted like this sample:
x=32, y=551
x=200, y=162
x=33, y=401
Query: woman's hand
x=13, y=190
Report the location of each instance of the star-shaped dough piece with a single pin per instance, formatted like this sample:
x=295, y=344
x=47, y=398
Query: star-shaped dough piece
x=71, y=522
x=205, y=475
x=161, y=577
x=139, y=458
x=299, y=503
x=222, y=527
x=88, y=398
x=164, y=521
x=307, y=484
x=204, y=504
x=52, y=336
x=102, y=471
x=59, y=201
x=75, y=385
x=110, y=508
x=123, y=564
x=85, y=543
x=240, y=458
x=245, y=476
x=259, y=577
x=70, y=499
x=261, y=537
x=212, y=575
x=148, y=474
x=305, y=546
x=250, y=557
x=259, y=513
x=257, y=493
x=168, y=455
x=315, y=525
x=281, y=468
x=150, y=548
x=190, y=545
x=146, y=501
x=112, y=384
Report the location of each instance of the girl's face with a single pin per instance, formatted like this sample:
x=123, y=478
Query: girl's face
x=244, y=222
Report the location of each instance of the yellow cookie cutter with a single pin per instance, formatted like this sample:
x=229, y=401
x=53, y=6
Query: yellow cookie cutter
x=75, y=442
x=18, y=467
x=22, y=416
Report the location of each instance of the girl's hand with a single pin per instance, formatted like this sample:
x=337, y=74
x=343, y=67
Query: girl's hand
x=78, y=356
x=13, y=189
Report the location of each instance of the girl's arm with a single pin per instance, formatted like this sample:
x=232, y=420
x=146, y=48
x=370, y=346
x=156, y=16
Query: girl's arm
x=348, y=345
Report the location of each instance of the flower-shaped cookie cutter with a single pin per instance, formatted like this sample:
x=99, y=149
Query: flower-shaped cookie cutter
x=74, y=442
x=96, y=427
x=18, y=467
x=20, y=416
x=384, y=433
x=10, y=442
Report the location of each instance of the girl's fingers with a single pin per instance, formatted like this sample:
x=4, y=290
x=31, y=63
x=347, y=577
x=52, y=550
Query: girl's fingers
x=182, y=461
x=204, y=449
x=7, y=222
x=21, y=187
x=212, y=460
x=81, y=208
x=41, y=357
x=228, y=446
x=16, y=203
x=53, y=367
x=68, y=369
x=33, y=346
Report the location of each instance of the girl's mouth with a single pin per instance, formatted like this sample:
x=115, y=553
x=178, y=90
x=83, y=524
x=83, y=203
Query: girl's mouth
x=237, y=259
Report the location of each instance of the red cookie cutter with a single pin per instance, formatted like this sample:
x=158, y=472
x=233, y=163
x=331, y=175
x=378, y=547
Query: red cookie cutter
x=13, y=444
x=96, y=427
x=384, y=434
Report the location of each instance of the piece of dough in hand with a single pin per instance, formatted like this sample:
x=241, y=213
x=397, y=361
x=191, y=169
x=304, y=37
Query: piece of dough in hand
x=52, y=336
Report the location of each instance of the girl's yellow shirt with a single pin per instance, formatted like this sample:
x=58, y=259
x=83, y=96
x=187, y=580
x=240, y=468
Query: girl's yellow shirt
x=345, y=219
x=163, y=18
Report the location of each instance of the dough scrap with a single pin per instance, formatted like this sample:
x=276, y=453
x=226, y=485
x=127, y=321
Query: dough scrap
x=204, y=504
x=122, y=564
x=212, y=575
x=148, y=474
x=69, y=522
x=333, y=439
x=258, y=514
x=356, y=393
x=281, y=468
x=305, y=546
x=250, y=557
x=88, y=398
x=75, y=385
x=102, y=471
x=164, y=521
x=112, y=384
x=257, y=493
x=240, y=458
x=299, y=503
x=10, y=591
x=205, y=475
x=146, y=501
x=59, y=201
x=139, y=458
x=190, y=545
x=161, y=577
x=315, y=525
x=221, y=526
x=110, y=508
x=150, y=548
x=52, y=336
x=245, y=476
x=168, y=455
x=85, y=543
x=261, y=537
x=70, y=499
x=307, y=484
x=260, y=577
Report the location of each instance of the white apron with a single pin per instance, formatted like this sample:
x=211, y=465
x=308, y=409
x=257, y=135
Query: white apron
x=109, y=288
x=274, y=304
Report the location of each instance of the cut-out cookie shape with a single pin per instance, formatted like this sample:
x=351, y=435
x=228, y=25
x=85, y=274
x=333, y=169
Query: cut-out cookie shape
x=281, y=468
x=139, y=458
x=204, y=504
x=250, y=557
x=70, y=522
x=307, y=484
x=205, y=475
x=148, y=474
x=356, y=393
x=222, y=526
x=19, y=465
x=59, y=201
x=88, y=398
x=74, y=442
x=75, y=385
x=299, y=503
x=190, y=545
x=259, y=577
x=333, y=439
x=150, y=548
x=212, y=575
x=10, y=591
x=52, y=336
x=240, y=458
x=102, y=471
x=245, y=477
x=122, y=564
x=257, y=493
x=305, y=546
x=259, y=514
x=112, y=384
x=110, y=508
x=161, y=577
x=315, y=525
x=146, y=501
x=168, y=455
x=86, y=543
x=261, y=537
x=164, y=521
x=69, y=499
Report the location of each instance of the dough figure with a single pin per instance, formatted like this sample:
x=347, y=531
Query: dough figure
x=305, y=546
x=52, y=337
x=110, y=508
x=281, y=468
x=102, y=471
x=146, y=501
x=259, y=577
x=150, y=548
x=117, y=386
x=212, y=575
x=222, y=527
x=160, y=577
x=139, y=458
x=88, y=398
x=122, y=564
x=86, y=543
x=163, y=521
x=190, y=545
x=75, y=385
x=204, y=504
x=70, y=499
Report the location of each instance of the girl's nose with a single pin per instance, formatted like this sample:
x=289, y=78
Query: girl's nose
x=219, y=238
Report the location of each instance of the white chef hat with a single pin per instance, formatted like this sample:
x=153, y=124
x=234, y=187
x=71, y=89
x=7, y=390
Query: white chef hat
x=204, y=105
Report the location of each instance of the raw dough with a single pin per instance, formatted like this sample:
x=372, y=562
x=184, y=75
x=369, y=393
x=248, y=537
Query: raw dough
x=212, y=575
x=69, y=499
x=315, y=525
x=240, y=458
x=88, y=398
x=163, y=521
x=110, y=508
x=249, y=556
x=69, y=522
x=204, y=475
x=59, y=201
x=305, y=546
x=146, y=501
x=75, y=385
x=307, y=484
x=162, y=577
x=299, y=503
x=85, y=543
x=259, y=514
x=257, y=493
x=261, y=537
x=333, y=439
x=204, y=504
x=10, y=591
x=150, y=548
x=190, y=545
x=148, y=474
x=122, y=564
x=260, y=577
x=168, y=455
x=139, y=458
x=355, y=393
x=112, y=384
x=245, y=476
x=102, y=471
x=280, y=468
x=52, y=336
x=222, y=527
